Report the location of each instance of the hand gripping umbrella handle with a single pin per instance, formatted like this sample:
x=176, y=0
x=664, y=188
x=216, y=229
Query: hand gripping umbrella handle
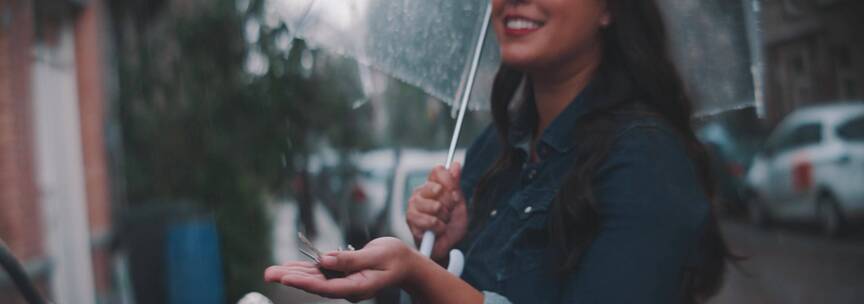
x=457, y=260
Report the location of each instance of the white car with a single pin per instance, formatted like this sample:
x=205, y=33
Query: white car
x=812, y=168
x=411, y=171
x=368, y=195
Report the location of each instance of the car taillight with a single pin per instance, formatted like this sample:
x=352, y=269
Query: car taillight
x=357, y=194
x=802, y=176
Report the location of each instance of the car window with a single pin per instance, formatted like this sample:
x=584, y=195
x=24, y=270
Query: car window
x=781, y=142
x=809, y=134
x=413, y=180
x=800, y=136
x=852, y=130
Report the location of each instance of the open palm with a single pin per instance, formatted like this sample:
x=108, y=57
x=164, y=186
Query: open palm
x=382, y=263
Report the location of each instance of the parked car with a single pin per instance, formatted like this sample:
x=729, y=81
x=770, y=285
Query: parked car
x=412, y=170
x=812, y=168
x=355, y=188
x=369, y=193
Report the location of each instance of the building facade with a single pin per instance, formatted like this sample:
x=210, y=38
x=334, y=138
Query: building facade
x=814, y=53
x=54, y=202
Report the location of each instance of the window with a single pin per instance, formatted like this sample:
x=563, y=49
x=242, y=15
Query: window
x=852, y=130
x=806, y=135
x=800, y=136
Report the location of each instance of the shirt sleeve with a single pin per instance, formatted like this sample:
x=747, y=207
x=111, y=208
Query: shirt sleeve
x=652, y=208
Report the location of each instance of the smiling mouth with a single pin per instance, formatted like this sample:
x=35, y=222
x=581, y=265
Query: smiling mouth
x=518, y=26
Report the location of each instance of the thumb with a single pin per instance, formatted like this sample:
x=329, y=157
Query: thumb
x=347, y=261
x=456, y=170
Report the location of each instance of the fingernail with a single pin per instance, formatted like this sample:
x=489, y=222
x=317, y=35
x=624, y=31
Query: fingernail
x=436, y=188
x=455, y=196
x=328, y=260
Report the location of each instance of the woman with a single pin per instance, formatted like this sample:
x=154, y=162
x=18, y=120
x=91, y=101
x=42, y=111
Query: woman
x=590, y=187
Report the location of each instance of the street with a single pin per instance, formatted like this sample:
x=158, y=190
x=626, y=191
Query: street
x=789, y=264
x=793, y=264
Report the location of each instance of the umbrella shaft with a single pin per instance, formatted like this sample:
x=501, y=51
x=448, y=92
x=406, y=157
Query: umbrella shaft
x=469, y=86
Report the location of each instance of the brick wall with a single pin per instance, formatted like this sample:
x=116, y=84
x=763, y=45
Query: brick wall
x=20, y=223
x=20, y=214
x=90, y=63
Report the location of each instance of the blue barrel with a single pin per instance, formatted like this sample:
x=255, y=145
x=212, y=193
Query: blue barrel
x=194, y=265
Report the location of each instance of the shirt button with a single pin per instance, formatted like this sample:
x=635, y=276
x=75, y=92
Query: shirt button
x=528, y=209
x=493, y=213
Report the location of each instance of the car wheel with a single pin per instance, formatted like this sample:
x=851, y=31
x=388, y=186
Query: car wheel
x=830, y=217
x=757, y=212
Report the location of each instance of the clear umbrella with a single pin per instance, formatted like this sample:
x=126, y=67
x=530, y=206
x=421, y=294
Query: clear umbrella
x=445, y=47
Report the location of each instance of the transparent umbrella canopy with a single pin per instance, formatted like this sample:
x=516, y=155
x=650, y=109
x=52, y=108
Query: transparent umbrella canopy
x=430, y=44
x=716, y=46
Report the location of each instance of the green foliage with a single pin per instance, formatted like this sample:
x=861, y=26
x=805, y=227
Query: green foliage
x=197, y=126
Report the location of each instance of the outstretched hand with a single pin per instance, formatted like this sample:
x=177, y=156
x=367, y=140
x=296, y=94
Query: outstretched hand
x=383, y=262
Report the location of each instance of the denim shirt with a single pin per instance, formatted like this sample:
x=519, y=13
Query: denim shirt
x=651, y=206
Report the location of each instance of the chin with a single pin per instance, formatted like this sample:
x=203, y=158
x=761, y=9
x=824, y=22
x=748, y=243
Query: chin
x=520, y=61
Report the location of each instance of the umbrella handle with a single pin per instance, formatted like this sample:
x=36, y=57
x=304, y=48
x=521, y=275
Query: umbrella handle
x=457, y=259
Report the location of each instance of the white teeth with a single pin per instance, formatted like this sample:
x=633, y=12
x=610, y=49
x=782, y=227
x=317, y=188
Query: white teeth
x=522, y=24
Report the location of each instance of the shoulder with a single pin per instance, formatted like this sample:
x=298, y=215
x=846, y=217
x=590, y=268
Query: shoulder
x=649, y=135
x=649, y=174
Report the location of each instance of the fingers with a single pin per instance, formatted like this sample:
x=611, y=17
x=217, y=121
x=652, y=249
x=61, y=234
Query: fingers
x=430, y=189
x=443, y=177
x=456, y=171
x=423, y=222
x=432, y=207
x=435, y=192
x=350, y=261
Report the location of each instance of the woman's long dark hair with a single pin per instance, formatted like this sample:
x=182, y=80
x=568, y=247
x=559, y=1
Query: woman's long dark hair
x=636, y=70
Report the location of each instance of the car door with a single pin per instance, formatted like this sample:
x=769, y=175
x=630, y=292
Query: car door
x=792, y=169
x=850, y=162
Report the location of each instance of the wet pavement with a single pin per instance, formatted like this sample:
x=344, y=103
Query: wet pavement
x=793, y=264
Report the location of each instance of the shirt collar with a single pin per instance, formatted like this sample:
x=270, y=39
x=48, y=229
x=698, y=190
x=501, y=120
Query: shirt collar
x=560, y=135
